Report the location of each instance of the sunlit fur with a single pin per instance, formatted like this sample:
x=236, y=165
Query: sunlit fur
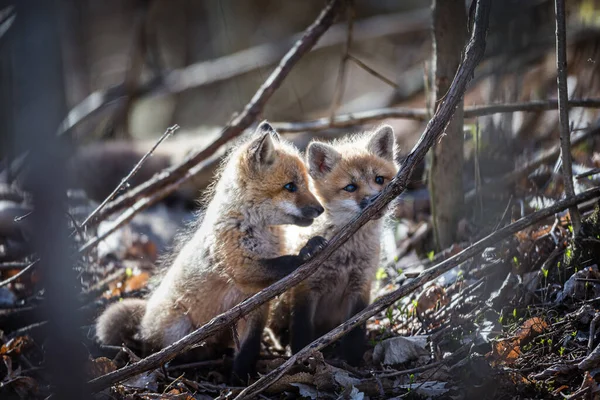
x=217, y=266
x=348, y=273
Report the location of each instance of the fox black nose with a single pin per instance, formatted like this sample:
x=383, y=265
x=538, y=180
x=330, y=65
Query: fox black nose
x=312, y=211
x=366, y=201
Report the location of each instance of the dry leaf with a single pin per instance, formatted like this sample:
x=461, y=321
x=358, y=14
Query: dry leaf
x=507, y=351
x=15, y=346
x=24, y=386
x=531, y=328
x=100, y=366
x=136, y=282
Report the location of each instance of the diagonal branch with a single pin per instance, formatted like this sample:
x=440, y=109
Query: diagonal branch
x=563, y=112
x=420, y=114
x=237, y=124
x=426, y=276
x=136, y=168
x=473, y=54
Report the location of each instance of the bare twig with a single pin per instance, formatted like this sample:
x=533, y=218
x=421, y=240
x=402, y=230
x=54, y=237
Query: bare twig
x=592, y=333
x=412, y=370
x=563, y=112
x=135, y=169
x=16, y=276
x=474, y=53
x=163, y=182
x=13, y=265
x=591, y=172
x=341, y=81
x=421, y=114
x=426, y=276
x=372, y=71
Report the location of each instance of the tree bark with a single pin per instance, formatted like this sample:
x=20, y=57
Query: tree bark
x=445, y=176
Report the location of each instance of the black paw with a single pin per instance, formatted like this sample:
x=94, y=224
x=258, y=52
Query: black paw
x=314, y=245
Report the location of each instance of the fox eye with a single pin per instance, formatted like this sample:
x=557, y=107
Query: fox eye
x=351, y=188
x=379, y=180
x=290, y=187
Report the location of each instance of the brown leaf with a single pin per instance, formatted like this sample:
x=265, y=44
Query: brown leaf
x=24, y=386
x=136, y=282
x=507, y=351
x=100, y=366
x=504, y=352
x=429, y=299
x=15, y=346
x=531, y=328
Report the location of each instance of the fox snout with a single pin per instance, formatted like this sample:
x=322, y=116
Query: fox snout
x=312, y=212
x=366, y=201
x=369, y=200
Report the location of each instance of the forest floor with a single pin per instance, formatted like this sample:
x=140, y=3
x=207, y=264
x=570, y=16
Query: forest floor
x=519, y=320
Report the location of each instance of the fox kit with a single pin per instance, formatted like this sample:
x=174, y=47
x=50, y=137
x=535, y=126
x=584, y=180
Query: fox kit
x=346, y=175
x=235, y=252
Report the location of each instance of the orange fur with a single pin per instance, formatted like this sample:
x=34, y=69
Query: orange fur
x=344, y=280
x=221, y=263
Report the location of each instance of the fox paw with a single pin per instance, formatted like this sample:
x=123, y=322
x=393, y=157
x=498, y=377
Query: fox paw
x=314, y=245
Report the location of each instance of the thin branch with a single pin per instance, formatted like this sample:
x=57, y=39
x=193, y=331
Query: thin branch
x=591, y=172
x=372, y=71
x=16, y=276
x=135, y=169
x=563, y=112
x=426, y=276
x=237, y=124
x=6, y=266
x=473, y=55
x=146, y=202
x=341, y=81
x=420, y=114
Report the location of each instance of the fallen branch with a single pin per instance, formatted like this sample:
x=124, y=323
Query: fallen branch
x=420, y=114
x=435, y=128
x=236, y=125
x=563, y=112
x=426, y=276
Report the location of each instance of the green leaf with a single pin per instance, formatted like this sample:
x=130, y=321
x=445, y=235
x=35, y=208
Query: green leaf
x=381, y=274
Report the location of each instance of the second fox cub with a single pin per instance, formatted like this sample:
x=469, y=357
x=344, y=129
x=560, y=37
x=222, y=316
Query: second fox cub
x=347, y=175
x=234, y=252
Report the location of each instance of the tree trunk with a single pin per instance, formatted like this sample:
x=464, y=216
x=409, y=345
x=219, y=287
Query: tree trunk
x=445, y=176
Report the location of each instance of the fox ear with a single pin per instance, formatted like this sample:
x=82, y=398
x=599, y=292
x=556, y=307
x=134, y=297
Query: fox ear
x=321, y=158
x=383, y=142
x=262, y=151
x=265, y=127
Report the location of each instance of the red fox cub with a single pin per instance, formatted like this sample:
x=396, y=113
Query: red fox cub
x=234, y=252
x=347, y=175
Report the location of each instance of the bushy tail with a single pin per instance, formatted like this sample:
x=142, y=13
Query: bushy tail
x=120, y=323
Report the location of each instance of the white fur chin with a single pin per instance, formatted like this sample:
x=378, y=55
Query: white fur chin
x=290, y=209
x=342, y=211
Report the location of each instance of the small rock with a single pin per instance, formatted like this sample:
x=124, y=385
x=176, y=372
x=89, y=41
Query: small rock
x=399, y=350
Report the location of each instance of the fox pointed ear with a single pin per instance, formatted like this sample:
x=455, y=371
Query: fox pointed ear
x=321, y=158
x=383, y=142
x=265, y=127
x=262, y=151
